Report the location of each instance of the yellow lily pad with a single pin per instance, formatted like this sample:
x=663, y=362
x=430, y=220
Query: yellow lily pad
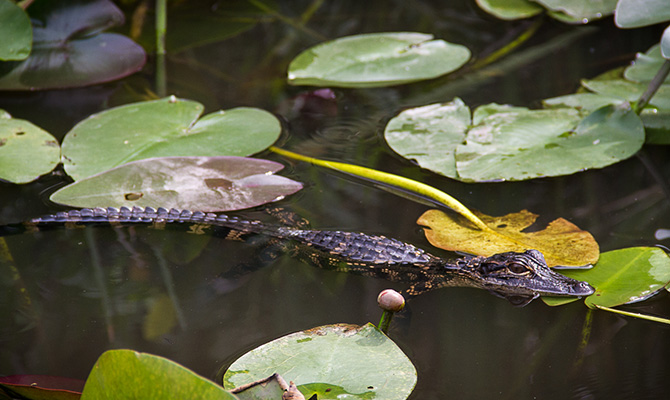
x=561, y=242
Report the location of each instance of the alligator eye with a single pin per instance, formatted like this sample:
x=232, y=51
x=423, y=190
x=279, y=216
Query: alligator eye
x=517, y=268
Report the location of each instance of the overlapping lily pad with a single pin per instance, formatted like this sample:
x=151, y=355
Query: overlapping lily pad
x=26, y=150
x=579, y=10
x=510, y=9
x=195, y=183
x=623, y=276
x=514, y=143
x=376, y=60
x=126, y=374
x=163, y=128
x=334, y=361
x=69, y=49
x=15, y=31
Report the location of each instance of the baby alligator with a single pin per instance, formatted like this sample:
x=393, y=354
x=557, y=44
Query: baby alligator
x=518, y=277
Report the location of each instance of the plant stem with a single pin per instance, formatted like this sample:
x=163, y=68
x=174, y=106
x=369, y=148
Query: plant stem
x=161, y=25
x=385, y=321
x=655, y=83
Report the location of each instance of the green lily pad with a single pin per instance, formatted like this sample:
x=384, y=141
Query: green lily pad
x=580, y=10
x=164, y=128
x=665, y=43
x=353, y=362
x=531, y=144
x=127, y=374
x=26, y=151
x=582, y=101
x=646, y=65
x=623, y=276
x=376, y=60
x=510, y=9
x=637, y=13
x=514, y=143
x=194, y=183
x=15, y=31
x=430, y=134
x=69, y=50
x=629, y=91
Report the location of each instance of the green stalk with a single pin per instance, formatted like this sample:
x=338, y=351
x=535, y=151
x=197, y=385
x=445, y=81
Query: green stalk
x=634, y=315
x=655, y=83
x=161, y=25
x=410, y=185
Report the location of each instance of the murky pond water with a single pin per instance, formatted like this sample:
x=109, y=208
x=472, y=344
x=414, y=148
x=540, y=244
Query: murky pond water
x=91, y=290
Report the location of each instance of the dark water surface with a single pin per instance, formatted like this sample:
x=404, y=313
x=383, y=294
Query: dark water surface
x=95, y=289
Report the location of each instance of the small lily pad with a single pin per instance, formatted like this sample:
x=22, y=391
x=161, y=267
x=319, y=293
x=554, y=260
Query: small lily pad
x=195, y=183
x=334, y=361
x=127, y=374
x=69, y=49
x=164, y=128
x=376, y=60
x=580, y=10
x=645, y=66
x=623, y=276
x=15, y=31
x=510, y=9
x=26, y=150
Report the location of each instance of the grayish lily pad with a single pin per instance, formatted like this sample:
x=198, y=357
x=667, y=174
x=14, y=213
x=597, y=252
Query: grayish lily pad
x=69, y=49
x=376, y=60
x=195, y=183
x=637, y=13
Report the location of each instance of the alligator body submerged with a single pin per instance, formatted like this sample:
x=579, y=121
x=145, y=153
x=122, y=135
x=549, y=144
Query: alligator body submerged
x=518, y=277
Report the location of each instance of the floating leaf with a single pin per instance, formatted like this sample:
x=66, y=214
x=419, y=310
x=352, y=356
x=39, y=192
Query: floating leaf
x=195, y=183
x=41, y=387
x=26, y=151
x=665, y=43
x=127, y=374
x=353, y=362
x=637, y=13
x=376, y=60
x=580, y=10
x=623, y=276
x=514, y=143
x=629, y=91
x=163, y=128
x=645, y=66
x=68, y=49
x=510, y=9
x=15, y=31
x=561, y=242
x=430, y=134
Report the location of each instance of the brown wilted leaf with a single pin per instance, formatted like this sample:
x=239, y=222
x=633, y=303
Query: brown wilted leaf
x=561, y=242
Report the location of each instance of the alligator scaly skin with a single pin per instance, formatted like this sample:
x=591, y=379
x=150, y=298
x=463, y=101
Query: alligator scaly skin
x=518, y=277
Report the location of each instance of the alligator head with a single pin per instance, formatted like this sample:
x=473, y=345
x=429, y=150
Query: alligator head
x=522, y=277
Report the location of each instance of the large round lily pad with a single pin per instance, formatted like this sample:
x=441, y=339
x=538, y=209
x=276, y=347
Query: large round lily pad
x=375, y=60
x=164, y=128
x=194, y=183
x=335, y=361
x=514, y=143
x=26, y=150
